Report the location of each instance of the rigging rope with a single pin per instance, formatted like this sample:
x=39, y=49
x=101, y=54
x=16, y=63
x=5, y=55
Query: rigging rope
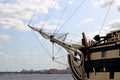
x=49, y=14
x=34, y=13
x=52, y=56
x=71, y=15
x=59, y=50
x=61, y=63
x=53, y=51
x=41, y=44
x=48, y=52
x=61, y=55
x=106, y=16
x=62, y=15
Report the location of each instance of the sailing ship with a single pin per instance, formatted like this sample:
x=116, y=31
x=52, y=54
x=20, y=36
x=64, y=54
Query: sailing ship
x=96, y=59
x=93, y=60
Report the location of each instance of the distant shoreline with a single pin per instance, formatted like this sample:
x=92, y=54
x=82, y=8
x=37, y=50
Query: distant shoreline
x=50, y=71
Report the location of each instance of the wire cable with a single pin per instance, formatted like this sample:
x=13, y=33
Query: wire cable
x=62, y=15
x=72, y=15
x=53, y=57
x=41, y=44
x=59, y=50
x=35, y=11
x=47, y=17
x=106, y=16
x=63, y=64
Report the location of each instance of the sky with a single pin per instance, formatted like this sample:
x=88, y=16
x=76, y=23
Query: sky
x=21, y=48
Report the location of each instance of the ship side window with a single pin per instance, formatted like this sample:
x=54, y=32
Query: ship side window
x=103, y=53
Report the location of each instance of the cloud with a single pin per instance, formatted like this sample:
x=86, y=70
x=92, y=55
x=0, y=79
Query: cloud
x=106, y=3
x=118, y=4
x=110, y=26
x=7, y=57
x=20, y=57
x=57, y=22
x=27, y=53
x=70, y=1
x=115, y=24
x=75, y=40
x=86, y=21
x=118, y=8
x=95, y=2
x=16, y=14
x=103, y=3
x=1, y=47
x=5, y=37
x=27, y=60
x=13, y=23
x=49, y=25
x=1, y=53
x=90, y=35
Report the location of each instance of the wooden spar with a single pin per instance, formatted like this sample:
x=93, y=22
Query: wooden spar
x=52, y=39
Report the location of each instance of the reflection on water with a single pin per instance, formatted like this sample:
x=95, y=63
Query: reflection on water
x=36, y=77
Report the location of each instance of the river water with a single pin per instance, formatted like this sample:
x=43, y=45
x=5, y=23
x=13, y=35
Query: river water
x=36, y=77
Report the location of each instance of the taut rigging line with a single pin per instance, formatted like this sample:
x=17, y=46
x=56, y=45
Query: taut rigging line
x=62, y=15
x=106, y=16
x=41, y=44
x=34, y=13
x=49, y=14
x=71, y=15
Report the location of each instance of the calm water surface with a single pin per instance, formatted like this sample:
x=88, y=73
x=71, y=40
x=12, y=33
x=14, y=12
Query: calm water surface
x=36, y=77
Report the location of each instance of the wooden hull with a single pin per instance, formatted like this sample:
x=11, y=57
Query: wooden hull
x=100, y=66
x=77, y=72
x=105, y=69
